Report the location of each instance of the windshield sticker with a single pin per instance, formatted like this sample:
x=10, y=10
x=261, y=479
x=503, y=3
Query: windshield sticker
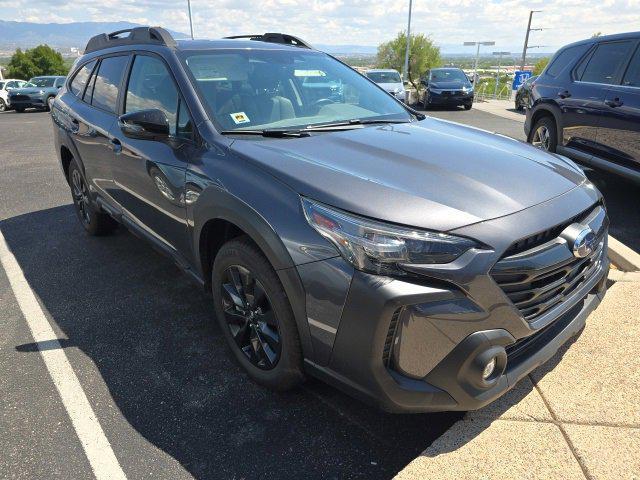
x=239, y=117
x=309, y=73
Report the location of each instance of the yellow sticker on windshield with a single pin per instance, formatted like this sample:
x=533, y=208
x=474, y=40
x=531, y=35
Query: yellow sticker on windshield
x=239, y=117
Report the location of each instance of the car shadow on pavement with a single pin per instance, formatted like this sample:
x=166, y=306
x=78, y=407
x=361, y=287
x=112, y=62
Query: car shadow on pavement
x=152, y=337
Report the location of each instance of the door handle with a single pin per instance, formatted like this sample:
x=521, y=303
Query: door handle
x=564, y=94
x=616, y=102
x=116, y=145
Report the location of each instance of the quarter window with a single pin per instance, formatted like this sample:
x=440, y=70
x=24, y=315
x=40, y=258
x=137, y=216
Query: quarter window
x=107, y=83
x=561, y=60
x=151, y=86
x=632, y=76
x=607, y=63
x=80, y=80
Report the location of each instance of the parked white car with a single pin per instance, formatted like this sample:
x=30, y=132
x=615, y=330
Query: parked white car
x=5, y=86
x=389, y=80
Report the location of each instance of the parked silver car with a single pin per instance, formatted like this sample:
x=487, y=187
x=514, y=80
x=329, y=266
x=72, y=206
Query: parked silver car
x=389, y=80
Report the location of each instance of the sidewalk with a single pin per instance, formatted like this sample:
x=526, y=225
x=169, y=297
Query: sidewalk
x=501, y=108
x=578, y=416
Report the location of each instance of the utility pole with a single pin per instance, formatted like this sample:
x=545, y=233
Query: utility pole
x=190, y=20
x=406, y=53
x=500, y=55
x=475, y=68
x=526, y=38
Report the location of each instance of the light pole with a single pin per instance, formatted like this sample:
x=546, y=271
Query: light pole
x=526, y=38
x=190, y=20
x=406, y=53
x=500, y=55
x=475, y=68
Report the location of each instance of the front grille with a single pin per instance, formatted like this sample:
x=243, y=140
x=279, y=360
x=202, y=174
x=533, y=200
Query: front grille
x=540, y=278
x=388, y=343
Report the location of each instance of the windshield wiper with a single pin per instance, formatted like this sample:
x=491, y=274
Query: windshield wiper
x=268, y=133
x=354, y=123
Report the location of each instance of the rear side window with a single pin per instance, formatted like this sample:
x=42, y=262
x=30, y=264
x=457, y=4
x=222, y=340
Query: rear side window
x=107, y=83
x=151, y=86
x=632, y=76
x=563, y=59
x=607, y=62
x=80, y=80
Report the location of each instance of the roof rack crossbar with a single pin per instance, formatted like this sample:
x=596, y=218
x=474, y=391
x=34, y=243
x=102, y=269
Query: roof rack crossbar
x=137, y=36
x=282, y=38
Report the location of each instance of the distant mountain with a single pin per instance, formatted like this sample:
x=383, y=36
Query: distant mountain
x=76, y=34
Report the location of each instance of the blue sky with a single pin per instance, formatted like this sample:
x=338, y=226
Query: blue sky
x=364, y=22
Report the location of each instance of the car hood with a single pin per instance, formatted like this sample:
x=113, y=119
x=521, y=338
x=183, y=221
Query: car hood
x=390, y=87
x=431, y=174
x=30, y=90
x=448, y=85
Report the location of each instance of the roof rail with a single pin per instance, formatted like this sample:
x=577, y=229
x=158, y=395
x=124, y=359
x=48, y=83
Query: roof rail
x=136, y=36
x=276, y=38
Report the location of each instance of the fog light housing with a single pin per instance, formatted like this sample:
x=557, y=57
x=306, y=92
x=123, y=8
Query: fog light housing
x=489, y=369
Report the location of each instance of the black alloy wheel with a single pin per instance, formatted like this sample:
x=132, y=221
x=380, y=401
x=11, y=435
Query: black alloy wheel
x=80, y=197
x=250, y=317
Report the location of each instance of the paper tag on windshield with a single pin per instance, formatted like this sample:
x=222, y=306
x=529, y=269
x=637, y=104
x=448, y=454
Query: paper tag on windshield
x=239, y=117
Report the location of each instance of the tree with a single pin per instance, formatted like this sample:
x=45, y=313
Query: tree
x=540, y=65
x=423, y=54
x=41, y=60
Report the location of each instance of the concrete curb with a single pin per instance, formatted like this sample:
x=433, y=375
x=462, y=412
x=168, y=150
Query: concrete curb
x=622, y=256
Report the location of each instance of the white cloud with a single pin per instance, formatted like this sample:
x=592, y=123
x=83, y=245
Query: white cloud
x=366, y=22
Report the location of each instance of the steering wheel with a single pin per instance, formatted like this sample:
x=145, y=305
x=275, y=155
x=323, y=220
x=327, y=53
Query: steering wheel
x=322, y=102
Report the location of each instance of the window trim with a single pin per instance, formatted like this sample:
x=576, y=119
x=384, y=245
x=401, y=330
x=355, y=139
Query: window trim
x=195, y=136
x=635, y=52
x=635, y=43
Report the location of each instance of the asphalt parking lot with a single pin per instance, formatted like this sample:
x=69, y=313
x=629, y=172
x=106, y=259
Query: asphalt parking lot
x=144, y=345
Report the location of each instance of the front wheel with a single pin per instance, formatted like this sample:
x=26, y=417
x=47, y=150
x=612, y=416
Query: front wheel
x=545, y=134
x=3, y=105
x=255, y=316
x=19, y=109
x=467, y=106
x=93, y=221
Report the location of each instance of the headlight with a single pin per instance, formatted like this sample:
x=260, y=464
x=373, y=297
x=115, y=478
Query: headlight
x=40, y=92
x=435, y=90
x=379, y=247
x=467, y=89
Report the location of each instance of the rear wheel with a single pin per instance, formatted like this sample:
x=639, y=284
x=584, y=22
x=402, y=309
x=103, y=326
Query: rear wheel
x=93, y=221
x=545, y=134
x=255, y=316
x=3, y=105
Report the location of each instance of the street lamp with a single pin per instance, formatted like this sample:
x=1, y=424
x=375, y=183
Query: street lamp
x=190, y=20
x=475, y=68
x=500, y=55
x=406, y=53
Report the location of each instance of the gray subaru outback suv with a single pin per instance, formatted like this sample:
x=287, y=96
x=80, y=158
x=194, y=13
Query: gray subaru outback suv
x=415, y=263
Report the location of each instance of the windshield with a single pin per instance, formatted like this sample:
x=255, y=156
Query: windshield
x=42, y=81
x=284, y=89
x=1, y=85
x=457, y=76
x=384, y=77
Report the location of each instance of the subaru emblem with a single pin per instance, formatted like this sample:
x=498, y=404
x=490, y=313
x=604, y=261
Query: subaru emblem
x=584, y=243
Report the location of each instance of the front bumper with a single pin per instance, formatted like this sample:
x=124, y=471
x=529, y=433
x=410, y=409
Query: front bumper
x=419, y=344
x=27, y=101
x=450, y=98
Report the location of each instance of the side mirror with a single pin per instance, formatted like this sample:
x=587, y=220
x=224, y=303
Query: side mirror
x=151, y=124
x=59, y=87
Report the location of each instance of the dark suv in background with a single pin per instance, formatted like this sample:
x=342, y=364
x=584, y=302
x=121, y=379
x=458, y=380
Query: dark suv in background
x=413, y=262
x=586, y=104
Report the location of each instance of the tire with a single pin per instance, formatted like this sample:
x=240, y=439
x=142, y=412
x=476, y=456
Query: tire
x=518, y=107
x=467, y=106
x=19, y=109
x=94, y=222
x=544, y=134
x=3, y=105
x=274, y=358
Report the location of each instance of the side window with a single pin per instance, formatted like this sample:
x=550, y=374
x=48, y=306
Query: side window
x=632, y=76
x=80, y=80
x=561, y=60
x=607, y=62
x=11, y=85
x=107, y=83
x=151, y=86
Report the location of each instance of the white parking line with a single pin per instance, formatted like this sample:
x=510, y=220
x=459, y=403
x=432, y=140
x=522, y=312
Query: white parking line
x=94, y=442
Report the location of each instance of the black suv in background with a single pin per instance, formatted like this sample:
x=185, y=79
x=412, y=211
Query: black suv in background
x=413, y=262
x=586, y=104
x=447, y=87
